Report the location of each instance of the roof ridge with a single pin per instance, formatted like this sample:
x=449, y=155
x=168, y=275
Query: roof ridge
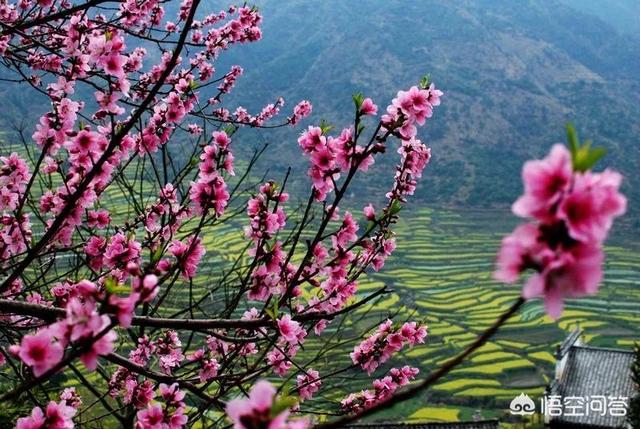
x=462, y=422
x=603, y=349
x=563, y=348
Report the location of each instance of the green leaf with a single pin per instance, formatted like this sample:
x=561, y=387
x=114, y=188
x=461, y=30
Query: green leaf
x=587, y=158
x=110, y=283
x=595, y=155
x=269, y=313
x=272, y=311
x=358, y=98
x=325, y=126
x=156, y=255
x=572, y=138
x=425, y=82
x=112, y=286
x=285, y=390
x=395, y=207
x=583, y=157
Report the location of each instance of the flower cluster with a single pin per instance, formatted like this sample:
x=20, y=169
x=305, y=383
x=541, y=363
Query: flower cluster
x=14, y=176
x=405, y=111
x=267, y=217
x=573, y=211
x=210, y=190
x=121, y=251
x=170, y=416
x=83, y=326
x=188, y=255
x=387, y=340
x=410, y=108
x=258, y=410
x=208, y=366
x=165, y=351
x=290, y=330
x=414, y=158
x=168, y=350
x=330, y=156
x=308, y=383
x=337, y=288
x=292, y=335
x=382, y=389
x=302, y=110
x=165, y=215
x=242, y=116
x=15, y=229
x=57, y=415
x=126, y=384
x=174, y=108
x=266, y=221
x=378, y=248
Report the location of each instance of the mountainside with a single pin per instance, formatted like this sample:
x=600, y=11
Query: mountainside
x=513, y=74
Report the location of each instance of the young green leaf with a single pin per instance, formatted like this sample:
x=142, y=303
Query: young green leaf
x=583, y=157
x=325, y=126
x=425, y=82
x=588, y=159
x=395, y=207
x=574, y=143
x=358, y=98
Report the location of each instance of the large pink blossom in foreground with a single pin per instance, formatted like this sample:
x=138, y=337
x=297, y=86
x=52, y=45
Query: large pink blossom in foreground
x=545, y=182
x=573, y=212
x=255, y=411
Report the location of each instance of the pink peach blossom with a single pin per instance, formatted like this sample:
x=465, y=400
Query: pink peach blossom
x=40, y=352
x=592, y=204
x=545, y=182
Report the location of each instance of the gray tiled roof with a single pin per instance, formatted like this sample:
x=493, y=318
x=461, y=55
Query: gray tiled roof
x=480, y=424
x=591, y=371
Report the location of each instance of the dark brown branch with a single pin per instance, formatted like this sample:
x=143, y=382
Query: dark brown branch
x=51, y=314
